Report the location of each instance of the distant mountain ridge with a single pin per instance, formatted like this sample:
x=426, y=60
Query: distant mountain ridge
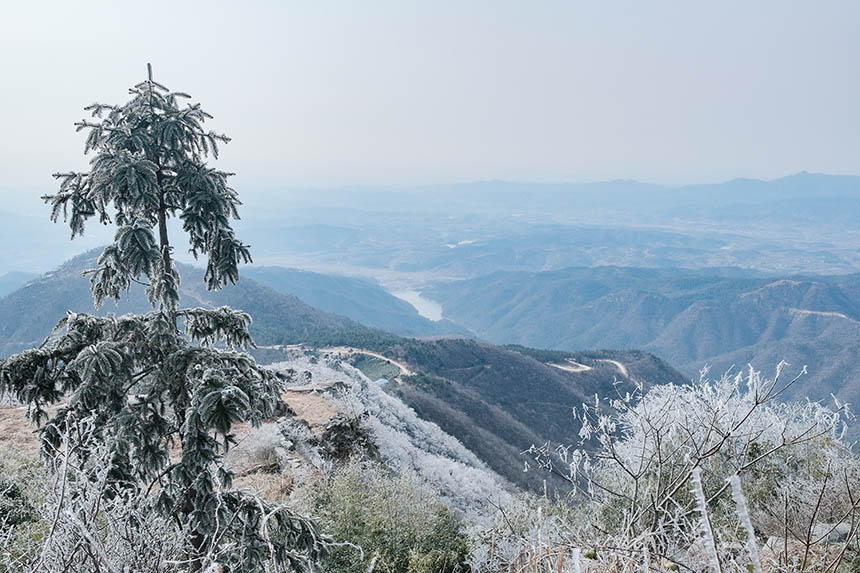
x=742, y=189
x=806, y=222
x=689, y=317
x=819, y=194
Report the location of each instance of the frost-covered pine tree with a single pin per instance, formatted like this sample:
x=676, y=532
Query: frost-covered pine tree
x=162, y=390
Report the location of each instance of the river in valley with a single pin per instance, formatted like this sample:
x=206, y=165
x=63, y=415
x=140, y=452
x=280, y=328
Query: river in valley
x=425, y=307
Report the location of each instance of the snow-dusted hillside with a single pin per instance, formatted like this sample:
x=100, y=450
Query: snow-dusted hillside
x=407, y=444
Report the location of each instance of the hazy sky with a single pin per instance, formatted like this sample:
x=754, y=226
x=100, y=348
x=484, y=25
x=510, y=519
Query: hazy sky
x=324, y=93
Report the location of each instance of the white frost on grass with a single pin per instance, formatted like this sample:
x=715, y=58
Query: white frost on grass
x=408, y=444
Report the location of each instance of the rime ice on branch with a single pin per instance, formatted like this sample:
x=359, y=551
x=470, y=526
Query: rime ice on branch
x=150, y=166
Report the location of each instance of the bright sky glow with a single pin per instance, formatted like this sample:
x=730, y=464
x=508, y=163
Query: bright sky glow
x=400, y=92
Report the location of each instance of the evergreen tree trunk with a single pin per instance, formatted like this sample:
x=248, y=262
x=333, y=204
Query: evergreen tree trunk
x=198, y=539
x=164, y=240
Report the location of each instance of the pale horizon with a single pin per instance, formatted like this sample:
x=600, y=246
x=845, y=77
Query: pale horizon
x=400, y=94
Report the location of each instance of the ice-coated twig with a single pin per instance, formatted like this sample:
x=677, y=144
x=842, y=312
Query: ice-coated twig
x=701, y=503
x=744, y=515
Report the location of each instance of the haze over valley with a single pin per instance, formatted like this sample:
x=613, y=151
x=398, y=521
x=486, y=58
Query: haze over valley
x=724, y=276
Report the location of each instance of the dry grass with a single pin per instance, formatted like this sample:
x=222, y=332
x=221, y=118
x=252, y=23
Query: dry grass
x=16, y=431
x=313, y=407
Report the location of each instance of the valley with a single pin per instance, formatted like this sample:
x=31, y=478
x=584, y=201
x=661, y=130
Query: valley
x=689, y=318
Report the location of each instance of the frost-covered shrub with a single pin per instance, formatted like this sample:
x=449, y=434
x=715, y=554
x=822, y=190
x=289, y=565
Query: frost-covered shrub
x=389, y=521
x=86, y=522
x=346, y=437
x=298, y=436
x=256, y=450
x=89, y=521
x=15, y=508
x=530, y=534
x=654, y=473
x=22, y=489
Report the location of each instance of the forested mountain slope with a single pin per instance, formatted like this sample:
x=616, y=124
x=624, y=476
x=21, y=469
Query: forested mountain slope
x=499, y=401
x=361, y=299
x=690, y=318
x=28, y=314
